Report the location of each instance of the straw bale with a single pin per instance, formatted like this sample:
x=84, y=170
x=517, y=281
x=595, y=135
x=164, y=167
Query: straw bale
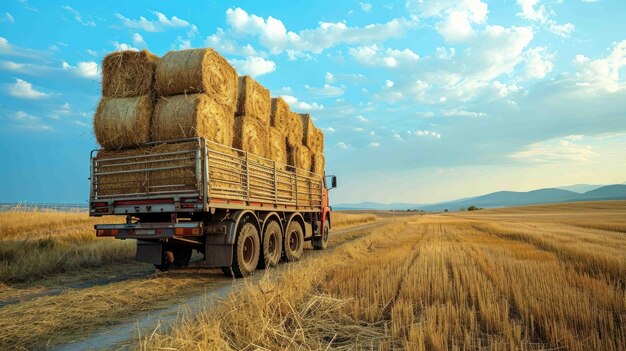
x=308, y=130
x=123, y=122
x=190, y=116
x=317, y=163
x=129, y=73
x=277, y=146
x=251, y=135
x=317, y=144
x=279, y=115
x=300, y=157
x=294, y=134
x=197, y=71
x=253, y=100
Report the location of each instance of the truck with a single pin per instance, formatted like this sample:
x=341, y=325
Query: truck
x=239, y=210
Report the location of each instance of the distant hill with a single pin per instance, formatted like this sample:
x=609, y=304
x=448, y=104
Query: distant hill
x=581, y=188
x=505, y=198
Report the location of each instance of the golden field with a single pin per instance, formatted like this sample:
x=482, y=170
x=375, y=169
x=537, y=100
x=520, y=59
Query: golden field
x=530, y=278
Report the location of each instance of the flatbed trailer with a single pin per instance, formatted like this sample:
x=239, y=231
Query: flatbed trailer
x=240, y=210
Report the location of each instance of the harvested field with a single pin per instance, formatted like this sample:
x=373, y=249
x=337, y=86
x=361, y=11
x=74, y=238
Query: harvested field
x=251, y=135
x=129, y=73
x=190, y=116
x=253, y=100
x=197, y=71
x=123, y=122
x=437, y=282
x=344, y=219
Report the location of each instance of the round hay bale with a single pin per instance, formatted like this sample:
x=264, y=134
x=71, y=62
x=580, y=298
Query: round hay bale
x=123, y=122
x=294, y=129
x=317, y=163
x=300, y=157
x=253, y=100
x=251, y=135
x=277, y=146
x=279, y=115
x=197, y=71
x=129, y=73
x=317, y=145
x=190, y=116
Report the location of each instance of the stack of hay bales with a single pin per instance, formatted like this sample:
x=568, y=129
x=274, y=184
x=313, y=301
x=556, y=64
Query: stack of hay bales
x=188, y=94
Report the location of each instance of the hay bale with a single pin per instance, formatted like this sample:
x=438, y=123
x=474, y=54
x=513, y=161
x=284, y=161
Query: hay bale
x=279, y=115
x=317, y=163
x=317, y=146
x=308, y=130
x=277, y=146
x=299, y=156
x=190, y=116
x=123, y=122
x=253, y=100
x=251, y=135
x=294, y=129
x=197, y=71
x=129, y=73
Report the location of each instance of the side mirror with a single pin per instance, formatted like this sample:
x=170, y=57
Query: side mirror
x=333, y=182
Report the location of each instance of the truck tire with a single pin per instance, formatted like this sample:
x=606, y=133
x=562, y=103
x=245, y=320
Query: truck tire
x=246, y=251
x=293, y=242
x=321, y=242
x=271, y=245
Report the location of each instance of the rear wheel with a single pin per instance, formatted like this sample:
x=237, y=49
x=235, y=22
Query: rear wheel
x=272, y=245
x=246, y=252
x=293, y=242
x=321, y=242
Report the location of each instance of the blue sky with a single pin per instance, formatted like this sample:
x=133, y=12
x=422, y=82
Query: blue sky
x=420, y=101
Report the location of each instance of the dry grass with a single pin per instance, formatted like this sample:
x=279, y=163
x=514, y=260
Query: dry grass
x=343, y=219
x=36, y=244
x=456, y=282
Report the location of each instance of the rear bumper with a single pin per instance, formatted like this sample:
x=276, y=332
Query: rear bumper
x=147, y=231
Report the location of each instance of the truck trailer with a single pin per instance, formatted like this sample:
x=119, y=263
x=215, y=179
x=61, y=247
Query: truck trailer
x=239, y=210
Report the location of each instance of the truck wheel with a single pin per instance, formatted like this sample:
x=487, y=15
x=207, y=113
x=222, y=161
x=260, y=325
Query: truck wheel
x=321, y=242
x=246, y=252
x=174, y=256
x=167, y=259
x=182, y=256
x=272, y=245
x=293, y=242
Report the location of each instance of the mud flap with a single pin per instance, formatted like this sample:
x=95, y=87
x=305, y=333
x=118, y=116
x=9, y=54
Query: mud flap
x=149, y=252
x=220, y=255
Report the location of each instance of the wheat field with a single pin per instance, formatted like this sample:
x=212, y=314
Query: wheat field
x=529, y=278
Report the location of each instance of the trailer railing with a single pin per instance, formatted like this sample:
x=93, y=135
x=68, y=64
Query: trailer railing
x=196, y=168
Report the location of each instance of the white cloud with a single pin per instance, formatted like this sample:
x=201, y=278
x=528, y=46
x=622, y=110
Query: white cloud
x=457, y=112
x=343, y=145
x=427, y=133
x=329, y=129
x=7, y=18
x=254, y=66
x=24, y=120
x=326, y=90
x=373, y=56
x=5, y=47
x=550, y=151
x=23, y=89
x=603, y=73
x=531, y=11
x=374, y=144
x=160, y=24
x=562, y=30
x=88, y=69
x=139, y=41
x=301, y=105
x=79, y=18
x=365, y=6
x=123, y=47
x=225, y=46
x=360, y=118
x=455, y=17
x=273, y=34
x=538, y=63
x=92, y=52
x=389, y=83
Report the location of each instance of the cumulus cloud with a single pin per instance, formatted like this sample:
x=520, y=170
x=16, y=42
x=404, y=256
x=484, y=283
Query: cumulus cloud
x=254, y=66
x=123, y=47
x=139, y=41
x=23, y=120
x=374, y=144
x=602, y=73
x=78, y=17
x=327, y=90
x=373, y=56
x=427, y=133
x=538, y=62
x=455, y=18
x=301, y=105
x=221, y=43
x=531, y=10
x=365, y=6
x=88, y=70
x=273, y=35
x=161, y=22
x=23, y=89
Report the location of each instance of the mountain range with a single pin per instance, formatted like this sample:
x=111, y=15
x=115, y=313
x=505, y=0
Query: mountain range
x=572, y=193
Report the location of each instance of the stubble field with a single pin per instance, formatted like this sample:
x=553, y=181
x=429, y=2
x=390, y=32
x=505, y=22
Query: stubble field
x=538, y=278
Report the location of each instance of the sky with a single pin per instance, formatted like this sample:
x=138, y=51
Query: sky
x=420, y=101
